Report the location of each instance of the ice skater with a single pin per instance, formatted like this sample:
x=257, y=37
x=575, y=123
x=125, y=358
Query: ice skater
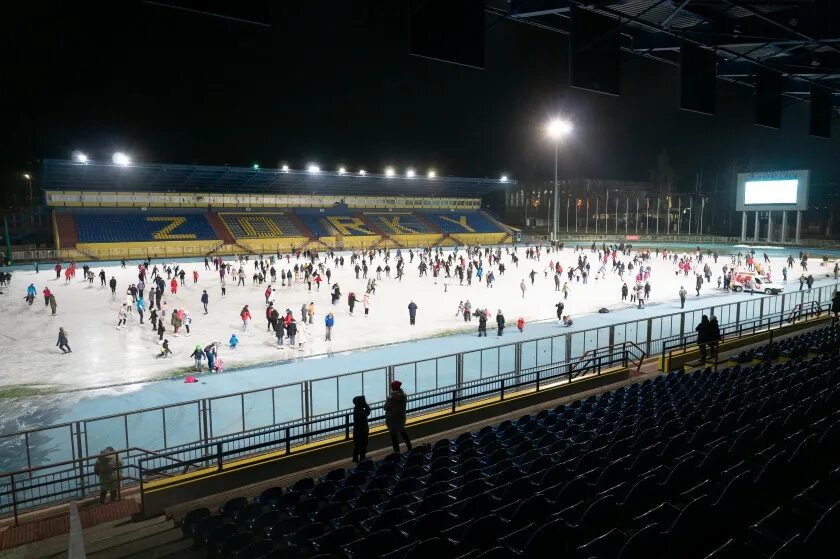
x=197, y=355
x=245, y=315
x=412, y=312
x=62, y=343
x=233, y=342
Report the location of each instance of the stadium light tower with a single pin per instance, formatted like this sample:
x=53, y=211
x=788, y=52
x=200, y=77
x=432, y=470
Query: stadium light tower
x=389, y=172
x=341, y=170
x=556, y=129
x=431, y=174
x=121, y=159
x=80, y=157
x=314, y=169
x=504, y=178
x=285, y=168
x=362, y=172
x=410, y=173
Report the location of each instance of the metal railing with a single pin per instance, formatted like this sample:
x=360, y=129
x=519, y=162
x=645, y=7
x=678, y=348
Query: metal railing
x=254, y=413
x=678, y=345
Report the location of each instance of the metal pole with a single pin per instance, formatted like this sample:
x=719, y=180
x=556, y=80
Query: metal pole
x=755, y=233
x=702, y=207
x=636, y=229
x=597, y=213
x=556, y=145
x=769, y=226
x=690, y=212
x=783, y=233
x=606, y=214
x=567, y=214
x=798, y=225
x=616, y=215
x=657, y=215
x=743, y=226
x=626, y=215
x=586, y=223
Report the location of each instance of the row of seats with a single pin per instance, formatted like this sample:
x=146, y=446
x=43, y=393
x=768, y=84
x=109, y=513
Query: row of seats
x=399, y=223
x=824, y=340
x=267, y=225
x=106, y=228
x=741, y=462
x=462, y=222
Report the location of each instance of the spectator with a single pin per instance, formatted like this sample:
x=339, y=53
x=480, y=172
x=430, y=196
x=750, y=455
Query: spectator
x=395, y=412
x=107, y=467
x=361, y=430
x=703, y=337
x=714, y=336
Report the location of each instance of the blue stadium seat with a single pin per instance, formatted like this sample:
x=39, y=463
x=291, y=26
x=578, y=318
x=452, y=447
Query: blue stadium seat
x=130, y=227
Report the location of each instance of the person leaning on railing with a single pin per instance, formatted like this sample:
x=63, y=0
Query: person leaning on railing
x=108, y=467
x=714, y=336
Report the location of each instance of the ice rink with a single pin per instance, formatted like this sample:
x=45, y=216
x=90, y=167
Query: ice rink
x=113, y=371
x=103, y=355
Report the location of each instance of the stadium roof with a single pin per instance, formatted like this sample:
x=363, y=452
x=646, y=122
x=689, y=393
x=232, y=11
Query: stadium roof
x=150, y=177
x=800, y=39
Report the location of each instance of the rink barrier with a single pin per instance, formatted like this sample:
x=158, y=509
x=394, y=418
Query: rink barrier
x=254, y=412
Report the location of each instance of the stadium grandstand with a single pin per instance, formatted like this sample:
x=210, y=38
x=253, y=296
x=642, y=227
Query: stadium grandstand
x=113, y=211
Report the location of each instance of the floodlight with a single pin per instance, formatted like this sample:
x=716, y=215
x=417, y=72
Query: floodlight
x=557, y=128
x=362, y=172
x=285, y=168
x=256, y=166
x=312, y=168
x=431, y=174
x=389, y=172
x=410, y=173
x=341, y=170
x=80, y=157
x=27, y=176
x=121, y=159
x=504, y=178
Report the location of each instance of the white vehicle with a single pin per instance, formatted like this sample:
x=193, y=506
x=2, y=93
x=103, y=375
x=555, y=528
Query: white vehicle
x=752, y=282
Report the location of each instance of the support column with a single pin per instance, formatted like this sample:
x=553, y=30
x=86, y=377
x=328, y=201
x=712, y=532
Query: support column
x=783, y=234
x=755, y=234
x=770, y=227
x=743, y=226
x=798, y=225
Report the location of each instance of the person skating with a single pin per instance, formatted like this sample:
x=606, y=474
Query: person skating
x=121, y=316
x=160, y=329
x=683, y=294
x=245, y=315
x=164, y=350
x=210, y=353
x=520, y=323
x=46, y=294
x=30, y=293
x=205, y=299
x=412, y=312
x=395, y=415
x=560, y=306
x=522, y=287
x=113, y=285
x=310, y=311
x=361, y=429
x=291, y=331
x=624, y=291
x=141, y=308
x=53, y=304
x=329, y=322
x=698, y=284
x=351, y=301
x=62, y=341
x=500, y=322
x=233, y=341
x=482, y=325
x=198, y=355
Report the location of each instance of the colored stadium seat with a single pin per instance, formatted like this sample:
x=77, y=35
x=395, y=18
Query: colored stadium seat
x=133, y=227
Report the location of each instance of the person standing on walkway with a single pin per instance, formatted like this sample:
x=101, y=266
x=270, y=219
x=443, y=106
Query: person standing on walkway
x=500, y=322
x=683, y=294
x=395, y=415
x=107, y=467
x=329, y=322
x=703, y=331
x=361, y=429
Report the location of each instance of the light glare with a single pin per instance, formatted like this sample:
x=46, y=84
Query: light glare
x=121, y=159
x=410, y=173
x=389, y=172
x=504, y=178
x=312, y=168
x=285, y=168
x=362, y=172
x=341, y=170
x=80, y=157
x=558, y=128
x=431, y=174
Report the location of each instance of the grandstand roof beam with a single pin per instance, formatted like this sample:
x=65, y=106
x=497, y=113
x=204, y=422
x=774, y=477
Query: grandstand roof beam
x=535, y=8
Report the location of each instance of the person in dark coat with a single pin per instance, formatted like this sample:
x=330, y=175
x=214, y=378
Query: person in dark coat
x=62, y=341
x=361, y=430
x=482, y=325
x=835, y=306
x=714, y=336
x=560, y=306
x=395, y=412
x=500, y=321
x=205, y=298
x=703, y=337
x=412, y=312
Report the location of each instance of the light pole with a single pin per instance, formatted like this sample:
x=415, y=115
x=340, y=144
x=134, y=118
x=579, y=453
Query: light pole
x=556, y=129
x=28, y=178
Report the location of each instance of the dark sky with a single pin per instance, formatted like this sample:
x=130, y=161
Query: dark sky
x=323, y=85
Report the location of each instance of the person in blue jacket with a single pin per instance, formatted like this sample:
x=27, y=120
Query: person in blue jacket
x=234, y=341
x=197, y=354
x=30, y=293
x=329, y=321
x=141, y=308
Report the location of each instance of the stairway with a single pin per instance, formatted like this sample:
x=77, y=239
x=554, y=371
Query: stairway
x=304, y=229
x=423, y=219
x=65, y=225
x=219, y=228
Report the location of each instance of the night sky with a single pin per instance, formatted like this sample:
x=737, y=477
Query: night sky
x=323, y=84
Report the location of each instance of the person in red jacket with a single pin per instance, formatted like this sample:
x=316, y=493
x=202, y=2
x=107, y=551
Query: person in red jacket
x=58, y=271
x=267, y=294
x=520, y=324
x=173, y=286
x=46, y=296
x=245, y=315
x=195, y=276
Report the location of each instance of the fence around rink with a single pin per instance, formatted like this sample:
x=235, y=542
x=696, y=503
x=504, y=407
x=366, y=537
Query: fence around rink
x=251, y=416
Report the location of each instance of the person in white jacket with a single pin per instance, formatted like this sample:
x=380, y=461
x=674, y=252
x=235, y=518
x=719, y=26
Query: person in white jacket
x=302, y=335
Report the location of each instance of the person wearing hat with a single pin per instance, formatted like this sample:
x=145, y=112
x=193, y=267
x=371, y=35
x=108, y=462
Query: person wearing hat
x=107, y=467
x=395, y=405
x=361, y=430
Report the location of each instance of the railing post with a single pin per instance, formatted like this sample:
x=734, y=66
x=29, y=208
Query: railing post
x=14, y=499
x=761, y=308
x=219, y=460
x=288, y=442
x=454, y=400
x=538, y=380
x=80, y=454
x=346, y=426
x=649, y=335
x=502, y=392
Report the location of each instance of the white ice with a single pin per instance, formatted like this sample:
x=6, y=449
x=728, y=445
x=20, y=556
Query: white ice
x=103, y=355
